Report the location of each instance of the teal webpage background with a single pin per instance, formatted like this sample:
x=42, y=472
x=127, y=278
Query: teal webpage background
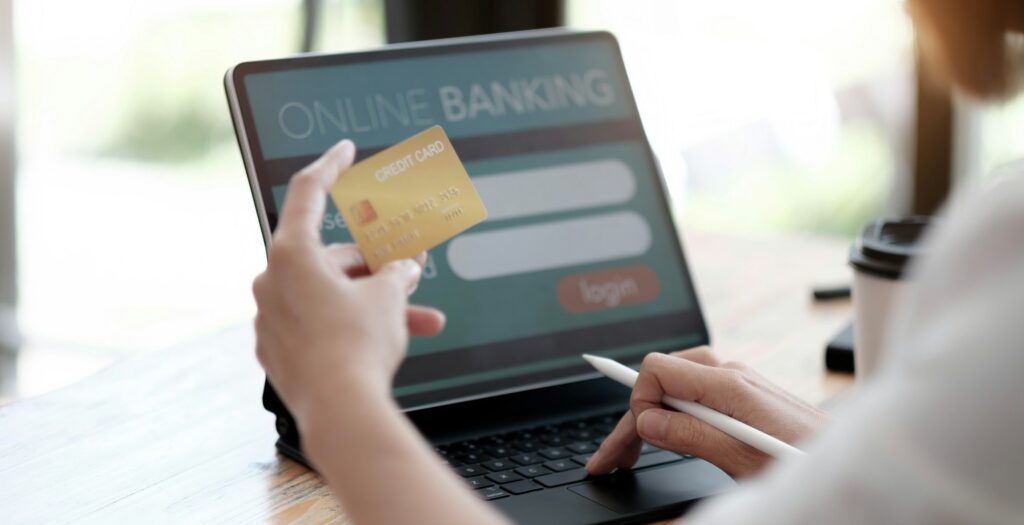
x=511, y=307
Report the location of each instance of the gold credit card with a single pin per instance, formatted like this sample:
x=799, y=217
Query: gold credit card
x=408, y=198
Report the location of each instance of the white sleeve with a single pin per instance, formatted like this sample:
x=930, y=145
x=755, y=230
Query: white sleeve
x=938, y=436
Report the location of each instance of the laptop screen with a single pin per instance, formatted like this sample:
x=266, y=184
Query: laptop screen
x=578, y=253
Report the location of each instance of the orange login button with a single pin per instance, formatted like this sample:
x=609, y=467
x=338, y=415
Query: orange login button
x=604, y=289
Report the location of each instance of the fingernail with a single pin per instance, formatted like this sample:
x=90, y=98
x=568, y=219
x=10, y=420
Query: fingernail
x=341, y=148
x=412, y=270
x=652, y=425
x=406, y=267
x=409, y=266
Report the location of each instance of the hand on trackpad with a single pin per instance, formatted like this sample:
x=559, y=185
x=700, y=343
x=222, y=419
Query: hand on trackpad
x=629, y=492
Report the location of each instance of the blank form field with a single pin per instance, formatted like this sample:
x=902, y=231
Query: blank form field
x=553, y=189
x=549, y=245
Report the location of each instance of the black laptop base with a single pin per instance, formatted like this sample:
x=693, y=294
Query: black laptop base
x=531, y=468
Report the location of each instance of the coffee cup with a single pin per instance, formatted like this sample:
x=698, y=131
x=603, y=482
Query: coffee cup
x=880, y=257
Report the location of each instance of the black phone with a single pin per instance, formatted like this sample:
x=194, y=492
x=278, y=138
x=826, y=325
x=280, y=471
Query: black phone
x=839, y=352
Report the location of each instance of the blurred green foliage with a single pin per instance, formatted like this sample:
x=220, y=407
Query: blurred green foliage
x=836, y=198
x=154, y=92
x=174, y=108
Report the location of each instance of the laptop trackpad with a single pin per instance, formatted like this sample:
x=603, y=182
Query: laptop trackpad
x=630, y=492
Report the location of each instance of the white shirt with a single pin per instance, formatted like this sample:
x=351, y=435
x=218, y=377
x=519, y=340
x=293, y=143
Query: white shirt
x=938, y=435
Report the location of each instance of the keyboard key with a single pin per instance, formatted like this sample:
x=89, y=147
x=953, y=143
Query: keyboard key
x=468, y=471
x=562, y=478
x=532, y=471
x=527, y=459
x=559, y=465
x=555, y=453
x=581, y=435
x=656, y=458
x=527, y=445
x=521, y=435
x=465, y=446
x=490, y=493
x=521, y=487
x=553, y=440
x=494, y=440
x=498, y=464
x=504, y=477
x=500, y=451
x=582, y=448
x=582, y=459
x=451, y=462
x=472, y=457
x=479, y=482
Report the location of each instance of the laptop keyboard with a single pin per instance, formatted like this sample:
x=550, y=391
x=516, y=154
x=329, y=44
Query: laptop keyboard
x=538, y=458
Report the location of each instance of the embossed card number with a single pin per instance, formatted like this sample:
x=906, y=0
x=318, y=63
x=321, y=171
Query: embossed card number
x=408, y=198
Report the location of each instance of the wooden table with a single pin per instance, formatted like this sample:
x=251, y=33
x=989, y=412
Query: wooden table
x=179, y=435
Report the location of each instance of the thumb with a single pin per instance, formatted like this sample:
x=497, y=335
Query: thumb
x=672, y=430
x=685, y=434
x=403, y=273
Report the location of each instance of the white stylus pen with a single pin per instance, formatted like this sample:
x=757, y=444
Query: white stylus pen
x=769, y=445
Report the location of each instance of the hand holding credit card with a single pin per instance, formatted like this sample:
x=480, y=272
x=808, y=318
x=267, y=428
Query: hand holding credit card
x=408, y=198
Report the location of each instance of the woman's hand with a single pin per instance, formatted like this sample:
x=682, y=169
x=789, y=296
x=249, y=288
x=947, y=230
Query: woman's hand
x=323, y=323
x=331, y=338
x=731, y=388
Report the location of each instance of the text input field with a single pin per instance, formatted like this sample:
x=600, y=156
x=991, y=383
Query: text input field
x=549, y=245
x=552, y=189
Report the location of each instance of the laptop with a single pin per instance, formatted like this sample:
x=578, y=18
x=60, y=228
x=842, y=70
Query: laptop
x=579, y=254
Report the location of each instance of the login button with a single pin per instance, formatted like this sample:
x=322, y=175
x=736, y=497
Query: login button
x=611, y=288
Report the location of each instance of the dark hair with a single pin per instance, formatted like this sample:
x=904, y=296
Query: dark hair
x=973, y=44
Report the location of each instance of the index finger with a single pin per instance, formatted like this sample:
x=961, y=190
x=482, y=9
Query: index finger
x=620, y=449
x=304, y=205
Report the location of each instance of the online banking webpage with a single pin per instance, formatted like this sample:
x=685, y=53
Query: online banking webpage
x=578, y=252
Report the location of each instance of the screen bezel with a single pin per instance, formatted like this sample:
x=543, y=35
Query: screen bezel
x=252, y=154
